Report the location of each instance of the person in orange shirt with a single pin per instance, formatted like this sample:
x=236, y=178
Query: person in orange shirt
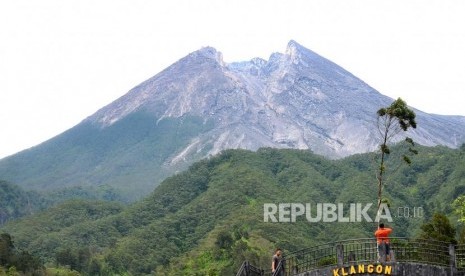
x=382, y=238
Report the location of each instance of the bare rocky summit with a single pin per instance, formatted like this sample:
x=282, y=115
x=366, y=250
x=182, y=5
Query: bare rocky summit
x=296, y=99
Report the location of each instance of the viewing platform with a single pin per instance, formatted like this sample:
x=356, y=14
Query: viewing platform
x=360, y=257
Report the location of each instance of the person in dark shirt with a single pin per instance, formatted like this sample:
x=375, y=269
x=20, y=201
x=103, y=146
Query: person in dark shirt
x=276, y=259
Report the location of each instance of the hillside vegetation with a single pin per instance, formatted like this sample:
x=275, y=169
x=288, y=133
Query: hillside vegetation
x=128, y=156
x=208, y=219
x=16, y=202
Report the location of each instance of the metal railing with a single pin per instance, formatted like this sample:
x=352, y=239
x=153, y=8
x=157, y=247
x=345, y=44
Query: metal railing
x=249, y=270
x=307, y=259
x=460, y=257
x=348, y=252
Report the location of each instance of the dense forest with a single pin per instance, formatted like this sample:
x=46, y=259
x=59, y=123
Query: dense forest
x=15, y=202
x=209, y=218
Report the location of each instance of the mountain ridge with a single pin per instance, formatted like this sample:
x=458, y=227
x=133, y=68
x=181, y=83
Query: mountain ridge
x=244, y=80
x=201, y=105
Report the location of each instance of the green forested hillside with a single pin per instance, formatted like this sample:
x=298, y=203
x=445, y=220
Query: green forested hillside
x=16, y=202
x=127, y=156
x=208, y=219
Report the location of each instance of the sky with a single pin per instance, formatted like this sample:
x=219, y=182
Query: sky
x=62, y=60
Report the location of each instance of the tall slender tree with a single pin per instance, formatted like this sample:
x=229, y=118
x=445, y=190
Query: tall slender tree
x=392, y=120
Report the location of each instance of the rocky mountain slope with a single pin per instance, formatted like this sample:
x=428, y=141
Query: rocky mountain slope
x=201, y=105
x=293, y=100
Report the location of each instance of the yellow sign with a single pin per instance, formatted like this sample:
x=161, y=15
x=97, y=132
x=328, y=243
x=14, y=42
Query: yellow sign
x=362, y=268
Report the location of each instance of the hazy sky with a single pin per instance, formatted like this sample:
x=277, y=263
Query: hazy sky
x=62, y=60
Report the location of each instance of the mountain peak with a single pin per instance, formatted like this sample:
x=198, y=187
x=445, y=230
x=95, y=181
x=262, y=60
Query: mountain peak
x=294, y=49
x=209, y=53
x=294, y=44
